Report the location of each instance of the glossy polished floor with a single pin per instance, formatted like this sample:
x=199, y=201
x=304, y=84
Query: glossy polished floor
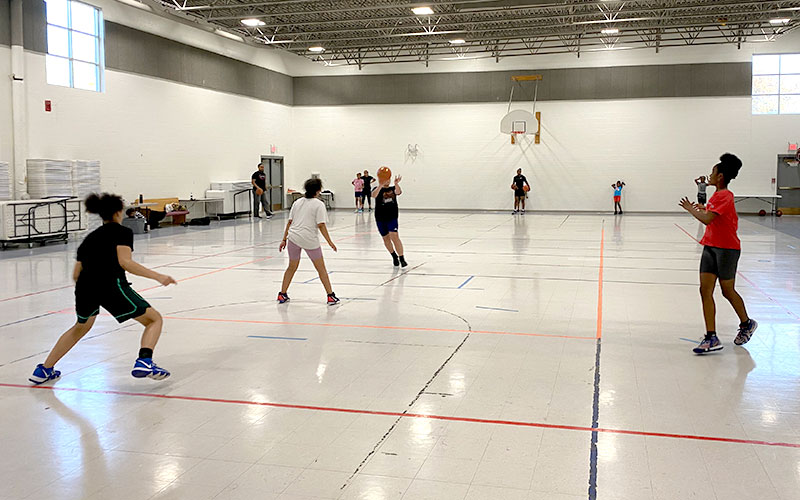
x=541, y=357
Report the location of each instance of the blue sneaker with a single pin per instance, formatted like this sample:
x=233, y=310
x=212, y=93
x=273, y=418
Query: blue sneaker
x=745, y=332
x=145, y=367
x=708, y=345
x=42, y=374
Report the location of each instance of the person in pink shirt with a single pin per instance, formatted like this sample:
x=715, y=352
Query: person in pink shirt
x=358, y=186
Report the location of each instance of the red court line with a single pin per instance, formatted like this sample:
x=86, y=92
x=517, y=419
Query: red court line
x=71, y=311
x=751, y=283
x=600, y=286
x=408, y=415
x=789, y=312
x=211, y=272
x=205, y=257
x=687, y=232
x=378, y=327
x=36, y=293
x=155, y=267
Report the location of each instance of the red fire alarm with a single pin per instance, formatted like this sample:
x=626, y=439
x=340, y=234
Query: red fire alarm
x=48, y=106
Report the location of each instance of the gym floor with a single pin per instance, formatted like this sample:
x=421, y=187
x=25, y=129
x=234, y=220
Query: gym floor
x=539, y=356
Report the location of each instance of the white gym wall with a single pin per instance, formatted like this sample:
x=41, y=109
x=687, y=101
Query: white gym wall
x=163, y=138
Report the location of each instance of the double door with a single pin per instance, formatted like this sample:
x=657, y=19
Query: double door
x=273, y=167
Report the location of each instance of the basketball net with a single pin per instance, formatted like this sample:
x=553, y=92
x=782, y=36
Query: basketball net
x=514, y=138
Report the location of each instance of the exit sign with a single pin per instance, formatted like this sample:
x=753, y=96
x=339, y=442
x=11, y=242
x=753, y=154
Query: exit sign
x=792, y=147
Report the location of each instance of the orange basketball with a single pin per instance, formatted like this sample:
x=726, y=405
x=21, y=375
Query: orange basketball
x=384, y=174
x=526, y=188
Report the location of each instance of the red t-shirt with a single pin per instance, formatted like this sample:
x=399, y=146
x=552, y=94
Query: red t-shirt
x=721, y=233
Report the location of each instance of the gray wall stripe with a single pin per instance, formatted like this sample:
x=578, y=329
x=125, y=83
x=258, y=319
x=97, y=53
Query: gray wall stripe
x=5, y=23
x=137, y=52
x=624, y=82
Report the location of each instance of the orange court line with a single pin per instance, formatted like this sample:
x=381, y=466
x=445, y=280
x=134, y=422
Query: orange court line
x=378, y=327
x=600, y=285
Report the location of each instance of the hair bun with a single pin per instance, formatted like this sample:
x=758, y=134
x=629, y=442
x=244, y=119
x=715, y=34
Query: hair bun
x=93, y=203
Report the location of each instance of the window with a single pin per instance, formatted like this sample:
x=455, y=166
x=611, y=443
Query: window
x=776, y=84
x=74, y=45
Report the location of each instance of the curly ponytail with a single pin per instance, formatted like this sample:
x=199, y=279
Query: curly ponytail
x=105, y=205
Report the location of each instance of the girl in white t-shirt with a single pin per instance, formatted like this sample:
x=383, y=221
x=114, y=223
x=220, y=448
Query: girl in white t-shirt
x=307, y=219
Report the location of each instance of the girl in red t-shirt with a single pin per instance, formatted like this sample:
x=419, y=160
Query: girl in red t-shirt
x=721, y=250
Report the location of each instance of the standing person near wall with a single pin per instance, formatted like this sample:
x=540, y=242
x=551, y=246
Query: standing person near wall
x=386, y=216
x=519, y=185
x=100, y=281
x=701, y=189
x=358, y=187
x=259, y=182
x=367, y=189
x=617, y=196
x=307, y=219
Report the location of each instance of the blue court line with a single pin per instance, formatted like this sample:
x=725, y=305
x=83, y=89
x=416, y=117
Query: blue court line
x=315, y=278
x=595, y=425
x=27, y=319
x=464, y=283
x=274, y=338
x=688, y=340
x=496, y=309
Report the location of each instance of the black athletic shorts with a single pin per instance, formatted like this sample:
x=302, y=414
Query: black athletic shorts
x=116, y=297
x=701, y=198
x=720, y=261
x=519, y=193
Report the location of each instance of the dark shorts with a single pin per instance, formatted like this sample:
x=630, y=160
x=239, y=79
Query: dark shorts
x=720, y=261
x=701, y=198
x=386, y=227
x=519, y=193
x=359, y=195
x=118, y=298
x=364, y=194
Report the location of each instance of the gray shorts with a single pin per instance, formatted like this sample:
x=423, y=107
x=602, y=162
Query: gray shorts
x=721, y=262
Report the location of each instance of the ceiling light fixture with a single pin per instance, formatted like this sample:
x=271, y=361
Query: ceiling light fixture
x=780, y=20
x=137, y=4
x=610, y=31
x=458, y=41
x=316, y=48
x=253, y=22
x=422, y=11
x=229, y=35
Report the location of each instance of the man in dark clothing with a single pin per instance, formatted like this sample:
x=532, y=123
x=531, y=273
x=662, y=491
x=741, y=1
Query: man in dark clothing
x=518, y=185
x=367, y=188
x=259, y=181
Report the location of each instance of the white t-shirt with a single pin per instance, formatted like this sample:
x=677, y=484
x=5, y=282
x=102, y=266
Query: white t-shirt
x=306, y=214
